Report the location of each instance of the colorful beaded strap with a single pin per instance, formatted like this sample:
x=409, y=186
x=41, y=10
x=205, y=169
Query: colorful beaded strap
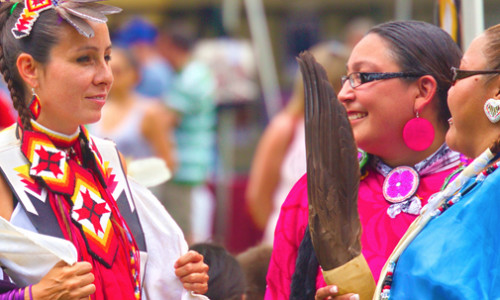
x=73, y=11
x=437, y=205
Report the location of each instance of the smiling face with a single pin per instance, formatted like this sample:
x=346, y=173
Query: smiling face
x=377, y=110
x=470, y=130
x=74, y=84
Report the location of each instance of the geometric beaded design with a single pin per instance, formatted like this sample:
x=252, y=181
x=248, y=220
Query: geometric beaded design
x=30, y=14
x=93, y=213
x=48, y=162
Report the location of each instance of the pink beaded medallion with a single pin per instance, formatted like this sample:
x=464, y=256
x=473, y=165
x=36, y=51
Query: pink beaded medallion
x=400, y=184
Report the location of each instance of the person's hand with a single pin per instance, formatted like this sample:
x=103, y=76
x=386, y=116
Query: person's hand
x=65, y=282
x=330, y=293
x=192, y=272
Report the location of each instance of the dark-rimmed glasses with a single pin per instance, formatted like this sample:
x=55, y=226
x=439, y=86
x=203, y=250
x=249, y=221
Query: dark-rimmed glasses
x=358, y=78
x=461, y=74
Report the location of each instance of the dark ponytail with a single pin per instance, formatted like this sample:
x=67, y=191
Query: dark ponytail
x=303, y=285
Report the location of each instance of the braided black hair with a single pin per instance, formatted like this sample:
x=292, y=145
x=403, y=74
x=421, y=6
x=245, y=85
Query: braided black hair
x=38, y=44
x=306, y=268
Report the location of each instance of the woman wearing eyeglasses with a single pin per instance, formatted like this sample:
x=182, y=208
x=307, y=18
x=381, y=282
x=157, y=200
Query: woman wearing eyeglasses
x=395, y=97
x=451, y=250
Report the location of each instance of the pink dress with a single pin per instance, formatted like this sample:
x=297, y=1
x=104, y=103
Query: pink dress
x=380, y=232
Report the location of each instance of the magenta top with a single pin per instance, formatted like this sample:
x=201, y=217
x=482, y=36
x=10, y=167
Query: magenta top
x=380, y=232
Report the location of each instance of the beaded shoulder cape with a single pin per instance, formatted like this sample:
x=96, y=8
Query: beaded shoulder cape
x=36, y=168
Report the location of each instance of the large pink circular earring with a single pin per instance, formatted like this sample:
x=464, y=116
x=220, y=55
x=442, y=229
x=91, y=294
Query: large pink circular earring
x=418, y=134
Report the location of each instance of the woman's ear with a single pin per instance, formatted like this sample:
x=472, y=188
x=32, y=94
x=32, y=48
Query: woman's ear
x=28, y=69
x=426, y=91
x=497, y=88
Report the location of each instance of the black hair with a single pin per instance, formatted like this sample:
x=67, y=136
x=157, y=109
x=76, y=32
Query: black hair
x=303, y=285
x=226, y=279
x=492, y=49
x=38, y=44
x=423, y=48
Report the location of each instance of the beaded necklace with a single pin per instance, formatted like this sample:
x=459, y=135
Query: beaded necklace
x=438, y=203
x=401, y=183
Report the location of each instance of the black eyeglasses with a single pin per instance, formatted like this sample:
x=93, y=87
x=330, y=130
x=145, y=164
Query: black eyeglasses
x=358, y=78
x=461, y=74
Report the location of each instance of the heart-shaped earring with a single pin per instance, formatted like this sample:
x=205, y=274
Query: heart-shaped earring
x=492, y=110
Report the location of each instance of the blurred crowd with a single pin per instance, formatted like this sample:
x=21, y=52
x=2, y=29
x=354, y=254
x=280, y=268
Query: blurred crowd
x=170, y=87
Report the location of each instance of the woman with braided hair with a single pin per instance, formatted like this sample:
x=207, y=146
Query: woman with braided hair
x=72, y=224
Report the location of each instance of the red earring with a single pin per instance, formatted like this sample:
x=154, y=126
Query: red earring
x=418, y=134
x=35, y=106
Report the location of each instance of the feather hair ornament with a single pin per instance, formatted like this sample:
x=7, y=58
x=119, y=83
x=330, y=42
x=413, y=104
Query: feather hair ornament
x=75, y=12
x=332, y=170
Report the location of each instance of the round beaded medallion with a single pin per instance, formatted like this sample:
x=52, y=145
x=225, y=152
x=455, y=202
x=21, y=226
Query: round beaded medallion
x=400, y=184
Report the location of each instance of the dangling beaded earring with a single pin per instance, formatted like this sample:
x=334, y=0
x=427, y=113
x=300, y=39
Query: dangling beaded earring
x=492, y=110
x=418, y=134
x=34, y=106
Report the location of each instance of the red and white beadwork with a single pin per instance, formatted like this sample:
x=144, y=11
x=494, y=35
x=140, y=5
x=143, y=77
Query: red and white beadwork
x=48, y=162
x=92, y=212
x=400, y=184
x=29, y=15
